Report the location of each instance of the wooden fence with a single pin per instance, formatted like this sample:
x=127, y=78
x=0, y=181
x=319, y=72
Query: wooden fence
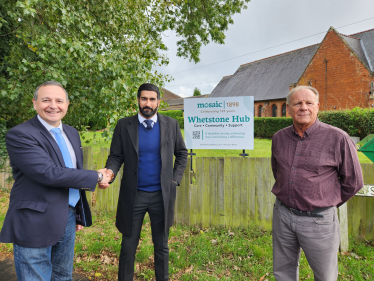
x=232, y=192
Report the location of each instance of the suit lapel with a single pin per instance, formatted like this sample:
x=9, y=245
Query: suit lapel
x=132, y=129
x=48, y=136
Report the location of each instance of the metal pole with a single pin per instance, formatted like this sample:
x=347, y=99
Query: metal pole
x=244, y=154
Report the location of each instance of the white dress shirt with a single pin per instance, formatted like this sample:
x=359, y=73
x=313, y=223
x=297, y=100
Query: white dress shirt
x=68, y=144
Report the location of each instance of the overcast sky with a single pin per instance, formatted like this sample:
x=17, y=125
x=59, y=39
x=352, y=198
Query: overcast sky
x=263, y=30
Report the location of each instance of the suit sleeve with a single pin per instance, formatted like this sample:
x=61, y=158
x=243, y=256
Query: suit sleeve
x=31, y=158
x=115, y=158
x=180, y=153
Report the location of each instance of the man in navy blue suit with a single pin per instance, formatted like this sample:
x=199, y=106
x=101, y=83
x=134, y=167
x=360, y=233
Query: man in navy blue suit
x=48, y=202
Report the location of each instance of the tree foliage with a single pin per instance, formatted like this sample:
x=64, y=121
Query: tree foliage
x=196, y=92
x=100, y=51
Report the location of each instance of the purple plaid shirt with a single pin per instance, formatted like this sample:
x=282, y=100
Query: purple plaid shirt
x=319, y=170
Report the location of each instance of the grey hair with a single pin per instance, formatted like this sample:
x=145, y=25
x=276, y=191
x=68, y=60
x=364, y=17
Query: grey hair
x=294, y=90
x=50, y=83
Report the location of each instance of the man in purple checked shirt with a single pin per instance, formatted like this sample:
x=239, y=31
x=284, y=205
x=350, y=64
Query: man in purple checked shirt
x=316, y=169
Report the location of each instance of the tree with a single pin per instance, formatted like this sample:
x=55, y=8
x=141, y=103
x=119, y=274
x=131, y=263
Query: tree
x=196, y=92
x=99, y=50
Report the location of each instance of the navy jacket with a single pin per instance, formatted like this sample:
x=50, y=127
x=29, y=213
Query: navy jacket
x=39, y=199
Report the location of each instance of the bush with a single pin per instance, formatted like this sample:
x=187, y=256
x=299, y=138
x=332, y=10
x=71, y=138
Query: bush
x=3, y=152
x=98, y=124
x=358, y=122
x=180, y=122
x=175, y=114
x=266, y=127
x=172, y=113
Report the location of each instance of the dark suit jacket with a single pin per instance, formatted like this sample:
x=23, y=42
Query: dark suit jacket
x=38, y=208
x=124, y=150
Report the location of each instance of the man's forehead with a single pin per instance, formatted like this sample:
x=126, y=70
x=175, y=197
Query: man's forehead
x=304, y=94
x=148, y=94
x=51, y=92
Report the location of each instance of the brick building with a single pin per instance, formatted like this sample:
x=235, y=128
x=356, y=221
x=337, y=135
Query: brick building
x=341, y=68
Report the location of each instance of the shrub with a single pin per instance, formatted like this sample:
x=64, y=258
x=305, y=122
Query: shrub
x=357, y=122
x=266, y=127
x=172, y=113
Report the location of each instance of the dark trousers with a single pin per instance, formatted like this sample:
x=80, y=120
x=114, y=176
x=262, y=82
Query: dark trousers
x=152, y=203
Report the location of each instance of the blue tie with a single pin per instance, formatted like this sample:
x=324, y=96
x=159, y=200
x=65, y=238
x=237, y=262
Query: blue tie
x=73, y=193
x=149, y=123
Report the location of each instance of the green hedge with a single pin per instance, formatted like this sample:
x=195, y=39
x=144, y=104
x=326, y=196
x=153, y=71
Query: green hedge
x=3, y=152
x=266, y=127
x=172, y=113
x=358, y=122
x=180, y=122
x=176, y=114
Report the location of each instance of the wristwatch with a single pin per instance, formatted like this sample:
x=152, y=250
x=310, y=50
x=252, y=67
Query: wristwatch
x=100, y=176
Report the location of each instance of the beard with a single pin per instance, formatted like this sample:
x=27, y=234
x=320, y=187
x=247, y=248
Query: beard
x=149, y=113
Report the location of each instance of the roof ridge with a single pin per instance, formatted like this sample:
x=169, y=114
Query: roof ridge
x=280, y=54
x=349, y=36
x=227, y=76
x=361, y=32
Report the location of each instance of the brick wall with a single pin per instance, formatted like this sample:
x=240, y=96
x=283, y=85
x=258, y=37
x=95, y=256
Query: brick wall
x=342, y=81
x=267, y=107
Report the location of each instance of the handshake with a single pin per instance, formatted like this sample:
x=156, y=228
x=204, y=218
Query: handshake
x=107, y=178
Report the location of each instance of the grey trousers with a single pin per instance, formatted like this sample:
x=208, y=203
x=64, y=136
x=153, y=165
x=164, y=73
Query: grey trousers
x=318, y=237
x=152, y=203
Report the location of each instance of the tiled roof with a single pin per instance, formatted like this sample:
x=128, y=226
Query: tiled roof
x=356, y=46
x=266, y=79
x=168, y=95
x=367, y=41
x=270, y=78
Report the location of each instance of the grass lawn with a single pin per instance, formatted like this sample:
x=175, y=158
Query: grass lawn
x=195, y=253
x=262, y=148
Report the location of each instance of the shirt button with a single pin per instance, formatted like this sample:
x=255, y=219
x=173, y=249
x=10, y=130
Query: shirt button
x=134, y=173
x=290, y=182
x=293, y=168
x=290, y=197
x=297, y=154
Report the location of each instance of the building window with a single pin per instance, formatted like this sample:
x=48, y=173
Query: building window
x=274, y=110
x=259, y=110
x=284, y=108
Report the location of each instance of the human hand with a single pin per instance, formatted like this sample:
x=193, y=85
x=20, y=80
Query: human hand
x=106, y=178
x=78, y=227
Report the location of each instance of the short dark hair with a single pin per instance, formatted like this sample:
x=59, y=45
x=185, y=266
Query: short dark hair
x=50, y=83
x=149, y=87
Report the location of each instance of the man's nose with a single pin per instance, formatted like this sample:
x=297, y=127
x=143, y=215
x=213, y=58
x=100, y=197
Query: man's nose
x=303, y=106
x=53, y=104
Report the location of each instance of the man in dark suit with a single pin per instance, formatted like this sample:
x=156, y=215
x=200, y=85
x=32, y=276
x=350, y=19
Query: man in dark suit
x=146, y=144
x=48, y=201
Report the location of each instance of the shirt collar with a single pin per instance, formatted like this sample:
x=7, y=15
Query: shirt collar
x=48, y=126
x=310, y=130
x=141, y=118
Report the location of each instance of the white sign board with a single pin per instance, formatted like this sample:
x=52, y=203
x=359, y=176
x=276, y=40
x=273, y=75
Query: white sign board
x=219, y=123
